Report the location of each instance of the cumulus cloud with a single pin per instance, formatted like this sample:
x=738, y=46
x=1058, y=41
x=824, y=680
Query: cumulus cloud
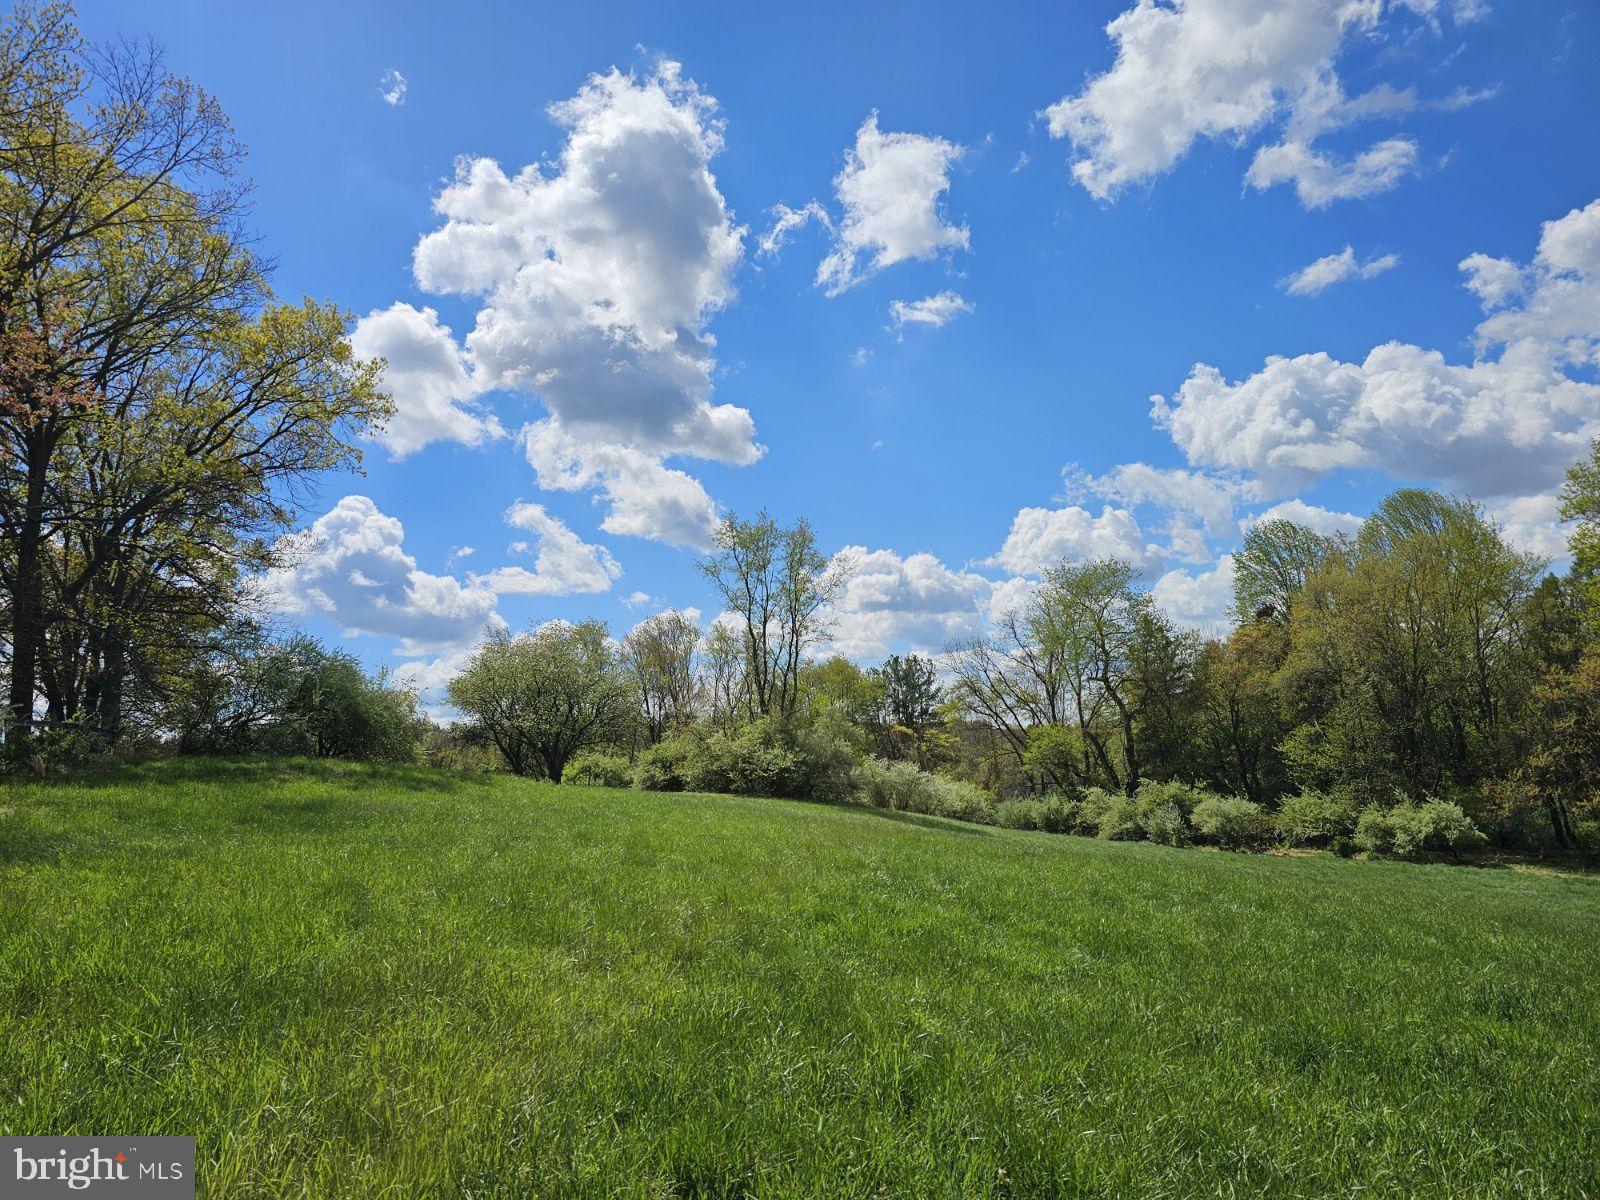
x=1198, y=600
x=565, y=564
x=1044, y=537
x=1507, y=423
x=1319, y=178
x=1330, y=269
x=935, y=311
x=889, y=193
x=596, y=276
x=429, y=378
x=647, y=498
x=1312, y=516
x=1226, y=70
x=352, y=570
x=915, y=602
x=1533, y=524
x=392, y=87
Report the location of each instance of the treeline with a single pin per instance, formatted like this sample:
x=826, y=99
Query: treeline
x=1420, y=686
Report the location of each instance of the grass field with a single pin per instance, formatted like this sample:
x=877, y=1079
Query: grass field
x=355, y=981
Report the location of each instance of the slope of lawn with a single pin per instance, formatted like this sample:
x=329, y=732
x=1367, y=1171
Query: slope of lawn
x=354, y=981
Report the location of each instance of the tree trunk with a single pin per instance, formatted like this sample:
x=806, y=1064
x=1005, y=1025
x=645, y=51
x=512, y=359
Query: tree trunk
x=27, y=601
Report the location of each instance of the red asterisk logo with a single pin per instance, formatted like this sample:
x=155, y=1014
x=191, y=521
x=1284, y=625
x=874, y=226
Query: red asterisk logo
x=121, y=1157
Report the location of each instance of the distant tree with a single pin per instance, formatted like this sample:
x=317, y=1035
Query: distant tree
x=247, y=692
x=1239, y=723
x=1271, y=567
x=1411, y=670
x=1104, y=632
x=724, y=680
x=1561, y=774
x=1580, y=503
x=1013, y=681
x=911, y=698
x=660, y=654
x=838, y=687
x=778, y=585
x=544, y=696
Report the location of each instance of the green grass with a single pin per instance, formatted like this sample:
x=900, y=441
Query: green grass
x=355, y=982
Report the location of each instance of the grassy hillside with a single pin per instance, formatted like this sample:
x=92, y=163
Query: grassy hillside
x=357, y=981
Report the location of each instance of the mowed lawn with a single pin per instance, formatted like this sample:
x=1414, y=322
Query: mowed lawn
x=353, y=982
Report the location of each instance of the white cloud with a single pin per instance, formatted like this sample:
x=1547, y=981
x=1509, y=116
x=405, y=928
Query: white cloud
x=1319, y=179
x=890, y=191
x=566, y=565
x=392, y=87
x=1010, y=596
x=1312, y=516
x=1498, y=426
x=788, y=221
x=597, y=275
x=353, y=571
x=1533, y=524
x=429, y=678
x=936, y=311
x=647, y=498
x=1044, y=537
x=1211, y=499
x=914, y=602
x=1225, y=70
x=1200, y=600
x=638, y=599
x=1321, y=275
x=428, y=377
x=1495, y=281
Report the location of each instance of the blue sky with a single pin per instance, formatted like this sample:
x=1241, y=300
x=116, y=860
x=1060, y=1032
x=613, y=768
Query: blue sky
x=1088, y=205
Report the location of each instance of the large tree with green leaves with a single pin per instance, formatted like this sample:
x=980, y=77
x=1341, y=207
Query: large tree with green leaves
x=159, y=409
x=543, y=696
x=778, y=585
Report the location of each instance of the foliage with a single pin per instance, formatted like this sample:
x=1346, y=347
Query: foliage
x=594, y=768
x=251, y=694
x=901, y=786
x=160, y=410
x=1230, y=821
x=1408, y=830
x=1047, y=814
x=1313, y=818
x=660, y=654
x=664, y=766
x=778, y=584
x=541, y=697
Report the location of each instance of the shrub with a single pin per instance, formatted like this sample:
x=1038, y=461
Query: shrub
x=1312, y=818
x=595, y=769
x=827, y=760
x=1230, y=821
x=1048, y=814
x=902, y=787
x=1344, y=847
x=1407, y=830
x=1095, y=807
x=1160, y=817
x=1017, y=814
x=661, y=767
x=1057, y=814
x=750, y=761
x=1156, y=813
